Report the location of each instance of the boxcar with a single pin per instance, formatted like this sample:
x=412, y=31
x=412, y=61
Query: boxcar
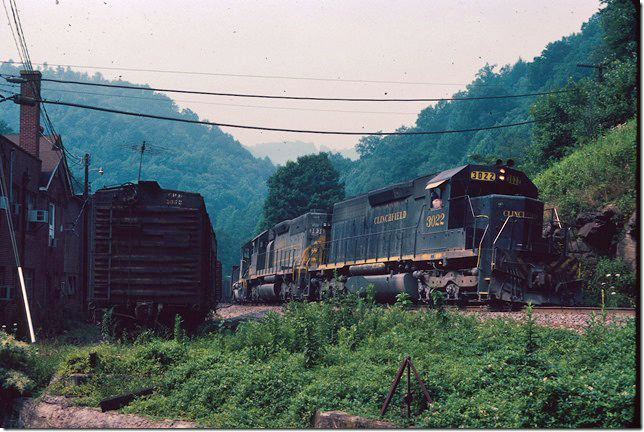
x=153, y=254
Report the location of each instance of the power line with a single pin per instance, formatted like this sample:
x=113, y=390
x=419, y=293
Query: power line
x=319, y=132
x=298, y=97
x=223, y=104
x=4, y=4
x=247, y=75
x=26, y=58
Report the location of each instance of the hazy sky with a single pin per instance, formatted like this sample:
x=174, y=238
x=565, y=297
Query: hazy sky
x=435, y=47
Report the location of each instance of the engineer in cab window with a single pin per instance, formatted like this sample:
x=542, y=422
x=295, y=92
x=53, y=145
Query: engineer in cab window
x=436, y=199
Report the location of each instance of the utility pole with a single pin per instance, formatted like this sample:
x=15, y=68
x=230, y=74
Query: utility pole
x=141, y=160
x=85, y=209
x=600, y=70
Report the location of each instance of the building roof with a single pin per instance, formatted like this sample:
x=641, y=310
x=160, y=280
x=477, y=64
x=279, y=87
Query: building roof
x=51, y=157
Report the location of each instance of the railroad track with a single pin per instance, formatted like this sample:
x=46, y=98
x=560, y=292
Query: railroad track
x=544, y=310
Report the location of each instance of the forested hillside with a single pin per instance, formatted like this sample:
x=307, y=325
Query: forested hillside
x=180, y=156
x=397, y=158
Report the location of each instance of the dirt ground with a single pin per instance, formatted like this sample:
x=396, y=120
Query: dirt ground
x=56, y=412
x=228, y=311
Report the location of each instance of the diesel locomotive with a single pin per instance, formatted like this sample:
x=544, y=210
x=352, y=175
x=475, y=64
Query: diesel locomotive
x=475, y=233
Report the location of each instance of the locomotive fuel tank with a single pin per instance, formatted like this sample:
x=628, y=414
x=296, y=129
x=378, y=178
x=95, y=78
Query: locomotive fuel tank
x=269, y=292
x=387, y=287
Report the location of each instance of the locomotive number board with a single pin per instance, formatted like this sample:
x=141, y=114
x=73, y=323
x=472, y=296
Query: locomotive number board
x=483, y=175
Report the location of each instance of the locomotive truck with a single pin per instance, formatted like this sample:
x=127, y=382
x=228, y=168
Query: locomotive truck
x=475, y=233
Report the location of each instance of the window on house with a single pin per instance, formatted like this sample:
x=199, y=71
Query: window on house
x=6, y=290
x=52, y=220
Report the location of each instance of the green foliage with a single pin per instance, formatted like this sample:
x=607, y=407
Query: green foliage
x=16, y=374
x=403, y=300
x=4, y=128
x=309, y=183
x=342, y=354
x=178, y=331
x=530, y=339
x=620, y=20
x=619, y=291
x=593, y=105
x=573, y=119
x=371, y=294
x=595, y=175
x=108, y=325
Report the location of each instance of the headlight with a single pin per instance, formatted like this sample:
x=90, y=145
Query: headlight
x=501, y=177
x=502, y=170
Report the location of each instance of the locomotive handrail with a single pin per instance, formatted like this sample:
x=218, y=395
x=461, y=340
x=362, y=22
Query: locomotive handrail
x=475, y=216
x=420, y=217
x=492, y=261
x=478, y=257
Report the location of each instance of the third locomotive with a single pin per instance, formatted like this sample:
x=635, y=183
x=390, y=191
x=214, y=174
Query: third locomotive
x=474, y=233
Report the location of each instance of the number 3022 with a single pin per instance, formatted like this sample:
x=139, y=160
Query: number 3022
x=435, y=220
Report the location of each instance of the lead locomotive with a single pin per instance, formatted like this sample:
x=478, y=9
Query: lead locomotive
x=472, y=232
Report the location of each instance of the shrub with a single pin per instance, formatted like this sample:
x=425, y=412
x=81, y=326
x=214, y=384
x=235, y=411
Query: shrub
x=16, y=361
x=619, y=291
x=599, y=173
x=342, y=355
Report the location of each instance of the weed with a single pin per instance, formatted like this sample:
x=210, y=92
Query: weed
x=342, y=355
x=403, y=300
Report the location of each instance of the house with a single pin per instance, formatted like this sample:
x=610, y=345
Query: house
x=46, y=218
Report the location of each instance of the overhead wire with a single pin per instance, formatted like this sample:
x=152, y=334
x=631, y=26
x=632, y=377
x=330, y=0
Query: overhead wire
x=273, y=129
x=26, y=58
x=4, y=4
x=221, y=104
x=247, y=75
x=307, y=98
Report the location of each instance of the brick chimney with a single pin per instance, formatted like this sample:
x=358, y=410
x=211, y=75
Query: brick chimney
x=30, y=115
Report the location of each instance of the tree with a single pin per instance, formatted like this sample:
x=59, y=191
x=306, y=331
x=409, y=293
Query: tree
x=620, y=20
x=309, y=183
x=4, y=128
x=367, y=145
x=573, y=119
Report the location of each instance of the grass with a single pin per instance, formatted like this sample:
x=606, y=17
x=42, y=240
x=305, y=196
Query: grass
x=342, y=355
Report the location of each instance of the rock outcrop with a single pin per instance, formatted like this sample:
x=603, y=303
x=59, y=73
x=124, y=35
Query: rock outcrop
x=57, y=412
x=597, y=230
x=342, y=420
x=627, y=247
